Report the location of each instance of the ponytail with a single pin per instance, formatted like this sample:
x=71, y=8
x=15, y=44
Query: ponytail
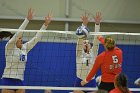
x=109, y=43
x=124, y=89
x=121, y=83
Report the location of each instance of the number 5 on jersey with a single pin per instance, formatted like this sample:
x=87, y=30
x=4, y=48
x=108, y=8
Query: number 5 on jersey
x=115, y=59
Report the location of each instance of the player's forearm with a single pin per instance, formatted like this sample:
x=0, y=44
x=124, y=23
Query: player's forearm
x=101, y=39
x=93, y=70
x=30, y=44
x=97, y=27
x=44, y=27
x=11, y=43
x=39, y=34
x=18, y=34
x=13, y=40
x=24, y=24
x=95, y=40
x=79, y=47
x=90, y=75
x=95, y=46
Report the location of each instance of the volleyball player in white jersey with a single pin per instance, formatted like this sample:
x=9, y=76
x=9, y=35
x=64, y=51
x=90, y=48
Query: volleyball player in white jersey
x=85, y=54
x=16, y=55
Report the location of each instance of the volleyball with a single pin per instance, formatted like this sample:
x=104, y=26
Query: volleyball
x=82, y=32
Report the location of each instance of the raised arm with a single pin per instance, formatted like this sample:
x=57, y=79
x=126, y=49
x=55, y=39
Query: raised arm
x=79, y=47
x=95, y=46
x=12, y=41
x=29, y=17
x=30, y=44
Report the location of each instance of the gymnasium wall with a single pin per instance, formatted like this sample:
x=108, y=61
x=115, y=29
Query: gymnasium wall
x=53, y=64
x=57, y=25
x=111, y=10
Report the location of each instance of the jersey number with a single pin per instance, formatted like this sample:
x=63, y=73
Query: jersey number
x=22, y=57
x=115, y=59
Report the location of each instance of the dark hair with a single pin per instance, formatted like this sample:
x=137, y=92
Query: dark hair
x=121, y=83
x=4, y=34
x=109, y=43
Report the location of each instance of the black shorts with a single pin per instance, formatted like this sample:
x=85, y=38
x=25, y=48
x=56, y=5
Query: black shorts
x=106, y=86
x=12, y=82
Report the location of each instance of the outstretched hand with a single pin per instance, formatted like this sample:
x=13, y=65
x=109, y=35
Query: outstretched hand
x=48, y=19
x=97, y=18
x=83, y=83
x=30, y=14
x=85, y=19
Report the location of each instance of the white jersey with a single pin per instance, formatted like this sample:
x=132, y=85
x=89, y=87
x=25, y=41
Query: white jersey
x=16, y=58
x=84, y=61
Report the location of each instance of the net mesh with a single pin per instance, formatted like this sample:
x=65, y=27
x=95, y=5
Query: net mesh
x=52, y=61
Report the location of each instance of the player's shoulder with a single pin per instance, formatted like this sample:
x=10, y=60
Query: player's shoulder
x=101, y=54
x=118, y=49
x=6, y=44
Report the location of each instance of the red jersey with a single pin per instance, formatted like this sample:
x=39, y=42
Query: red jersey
x=110, y=63
x=116, y=90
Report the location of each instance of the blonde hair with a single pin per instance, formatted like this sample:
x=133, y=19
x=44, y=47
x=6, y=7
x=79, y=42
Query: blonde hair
x=109, y=43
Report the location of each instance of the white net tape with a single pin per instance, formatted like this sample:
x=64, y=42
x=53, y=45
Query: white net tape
x=55, y=88
x=69, y=32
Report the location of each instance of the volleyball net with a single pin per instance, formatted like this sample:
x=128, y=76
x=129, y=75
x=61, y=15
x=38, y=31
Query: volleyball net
x=51, y=63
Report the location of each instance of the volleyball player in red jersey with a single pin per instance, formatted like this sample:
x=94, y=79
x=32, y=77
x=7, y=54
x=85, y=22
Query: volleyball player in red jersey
x=120, y=84
x=110, y=62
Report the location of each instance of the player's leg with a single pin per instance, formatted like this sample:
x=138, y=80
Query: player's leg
x=7, y=82
x=78, y=91
x=7, y=91
x=12, y=82
x=48, y=91
x=20, y=91
x=92, y=92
